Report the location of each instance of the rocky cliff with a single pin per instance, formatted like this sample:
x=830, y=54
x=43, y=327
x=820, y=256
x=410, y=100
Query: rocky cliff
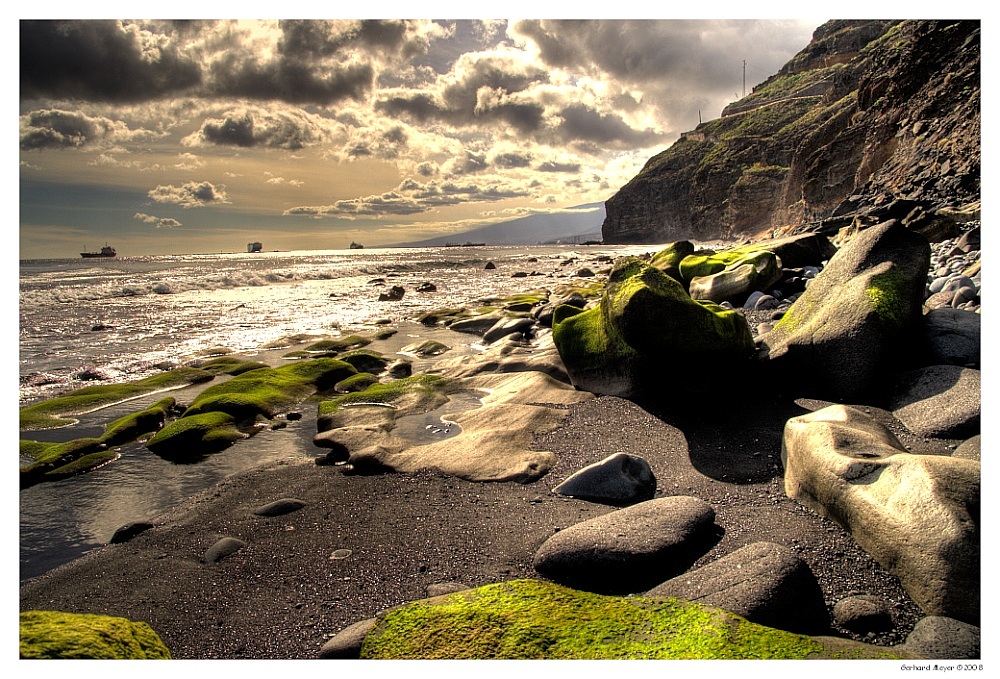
x=873, y=119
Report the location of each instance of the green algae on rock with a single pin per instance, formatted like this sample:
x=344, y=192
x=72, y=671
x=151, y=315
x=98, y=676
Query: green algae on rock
x=131, y=427
x=55, y=634
x=847, y=332
x=647, y=335
x=668, y=259
x=191, y=437
x=268, y=391
x=57, y=412
x=358, y=382
x=755, y=271
x=54, y=461
x=531, y=619
x=230, y=365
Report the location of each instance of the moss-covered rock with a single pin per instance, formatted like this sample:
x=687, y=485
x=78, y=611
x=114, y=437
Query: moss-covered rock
x=335, y=345
x=647, y=336
x=388, y=393
x=365, y=360
x=358, y=382
x=668, y=260
x=528, y=619
x=131, y=427
x=268, y=391
x=192, y=437
x=230, y=365
x=55, y=634
x=55, y=412
x=54, y=461
x=758, y=270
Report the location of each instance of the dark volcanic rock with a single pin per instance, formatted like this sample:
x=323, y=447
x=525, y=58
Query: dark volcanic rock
x=629, y=549
x=129, y=531
x=763, y=582
x=617, y=479
x=945, y=638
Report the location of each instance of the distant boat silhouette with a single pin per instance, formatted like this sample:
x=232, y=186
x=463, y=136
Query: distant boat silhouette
x=357, y=246
x=106, y=251
x=256, y=246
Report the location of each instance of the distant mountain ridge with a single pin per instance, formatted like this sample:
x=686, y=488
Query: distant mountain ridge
x=583, y=222
x=872, y=120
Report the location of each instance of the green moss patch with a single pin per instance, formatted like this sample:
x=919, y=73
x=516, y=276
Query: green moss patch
x=529, y=619
x=54, y=634
x=358, y=382
x=365, y=360
x=230, y=365
x=269, y=391
x=131, y=427
x=55, y=412
x=387, y=392
x=336, y=345
x=708, y=263
x=192, y=437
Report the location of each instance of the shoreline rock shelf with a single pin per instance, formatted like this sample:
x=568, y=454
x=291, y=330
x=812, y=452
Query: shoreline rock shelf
x=705, y=474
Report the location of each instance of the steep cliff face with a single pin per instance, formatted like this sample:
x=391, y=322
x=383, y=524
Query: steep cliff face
x=872, y=117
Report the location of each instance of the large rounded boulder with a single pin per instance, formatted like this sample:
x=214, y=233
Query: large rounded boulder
x=917, y=515
x=848, y=330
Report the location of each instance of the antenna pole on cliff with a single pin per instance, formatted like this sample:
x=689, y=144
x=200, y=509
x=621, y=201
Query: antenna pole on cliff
x=744, y=77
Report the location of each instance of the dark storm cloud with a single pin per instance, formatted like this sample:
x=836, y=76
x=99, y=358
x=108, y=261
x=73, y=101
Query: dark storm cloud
x=272, y=129
x=305, y=40
x=582, y=123
x=552, y=166
x=100, y=61
x=668, y=60
x=512, y=160
x=239, y=75
x=51, y=128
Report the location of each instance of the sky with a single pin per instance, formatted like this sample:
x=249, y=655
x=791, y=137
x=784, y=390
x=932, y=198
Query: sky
x=171, y=137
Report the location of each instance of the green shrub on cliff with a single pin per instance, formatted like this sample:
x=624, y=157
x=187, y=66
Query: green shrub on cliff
x=530, y=619
x=54, y=634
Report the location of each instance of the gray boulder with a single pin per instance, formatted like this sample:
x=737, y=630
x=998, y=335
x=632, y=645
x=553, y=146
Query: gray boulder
x=476, y=325
x=863, y=613
x=941, y=401
x=763, y=582
x=617, y=480
x=954, y=336
x=629, y=550
x=346, y=644
x=937, y=637
x=507, y=326
x=285, y=505
x=222, y=548
x=917, y=515
x=846, y=332
x=969, y=449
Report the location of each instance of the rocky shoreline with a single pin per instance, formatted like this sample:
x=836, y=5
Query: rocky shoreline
x=280, y=561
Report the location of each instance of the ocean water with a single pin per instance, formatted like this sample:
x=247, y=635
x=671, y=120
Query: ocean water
x=85, y=322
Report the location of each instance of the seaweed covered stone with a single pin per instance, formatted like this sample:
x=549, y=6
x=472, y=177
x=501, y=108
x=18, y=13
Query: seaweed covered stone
x=648, y=337
x=758, y=270
x=192, y=437
x=530, y=619
x=268, y=391
x=56, y=634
